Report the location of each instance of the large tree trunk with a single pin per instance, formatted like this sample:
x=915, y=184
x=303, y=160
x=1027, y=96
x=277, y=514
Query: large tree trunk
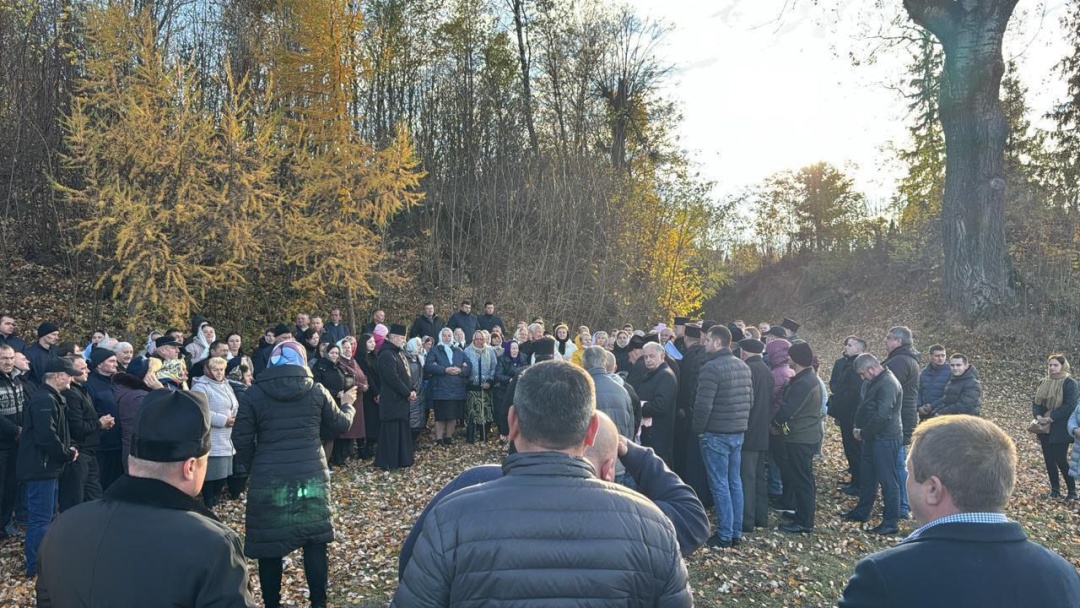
x=973, y=211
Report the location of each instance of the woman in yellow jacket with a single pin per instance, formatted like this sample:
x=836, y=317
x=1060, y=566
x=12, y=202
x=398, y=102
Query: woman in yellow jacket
x=582, y=341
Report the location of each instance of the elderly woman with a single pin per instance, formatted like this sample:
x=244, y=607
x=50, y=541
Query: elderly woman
x=199, y=348
x=338, y=373
x=278, y=437
x=414, y=355
x=479, y=410
x=448, y=370
x=1055, y=400
x=223, y=408
x=600, y=339
x=510, y=365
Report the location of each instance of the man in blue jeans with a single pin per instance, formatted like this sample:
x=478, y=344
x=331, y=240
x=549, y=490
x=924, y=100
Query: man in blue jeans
x=722, y=403
x=44, y=448
x=877, y=426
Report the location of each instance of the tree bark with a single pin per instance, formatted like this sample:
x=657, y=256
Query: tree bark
x=975, y=129
x=518, y=7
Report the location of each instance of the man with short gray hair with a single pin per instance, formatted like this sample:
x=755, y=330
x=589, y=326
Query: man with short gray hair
x=611, y=398
x=659, y=390
x=556, y=514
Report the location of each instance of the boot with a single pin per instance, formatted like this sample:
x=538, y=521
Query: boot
x=470, y=432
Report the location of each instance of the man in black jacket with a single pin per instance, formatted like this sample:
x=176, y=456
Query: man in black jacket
x=756, y=439
x=966, y=552
x=877, y=425
x=395, y=394
x=722, y=406
x=489, y=320
x=556, y=512
x=149, y=542
x=903, y=362
x=7, y=333
x=39, y=353
x=800, y=415
x=465, y=319
x=963, y=391
x=846, y=388
x=44, y=448
x=427, y=325
x=110, y=464
x=81, y=480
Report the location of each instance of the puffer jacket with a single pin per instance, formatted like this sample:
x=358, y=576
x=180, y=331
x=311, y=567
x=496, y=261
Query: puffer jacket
x=932, y=381
x=278, y=438
x=903, y=361
x=776, y=355
x=878, y=416
x=223, y=405
x=443, y=386
x=611, y=545
x=962, y=395
x=725, y=394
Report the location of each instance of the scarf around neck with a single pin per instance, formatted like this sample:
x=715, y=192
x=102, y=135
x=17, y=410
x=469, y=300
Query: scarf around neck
x=1049, y=393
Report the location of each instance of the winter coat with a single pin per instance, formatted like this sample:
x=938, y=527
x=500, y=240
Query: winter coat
x=334, y=332
x=38, y=356
x=12, y=405
x=423, y=326
x=336, y=378
x=103, y=391
x=800, y=408
x=962, y=395
x=776, y=354
x=846, y=387
x=84, y=428
x=903, y=362
x=622, y=358
x=443, y=386
x=43, y=448
x=261, y=359
x=620, y=548
x=127, y=550
x=467, y=322
x=688, y=383
x=1074, y=458
x=14, y=342
x=488, y=323
x=395, y=377
x=756, y=438
x=129, y=392
x=417, y=419
x=725, y=395
x=1059, y=431
x=223, y=405
x=658, y=390
x=878, y=415
x=932, y=381
x=278, y=437
x=482, y=364
x=569, y=348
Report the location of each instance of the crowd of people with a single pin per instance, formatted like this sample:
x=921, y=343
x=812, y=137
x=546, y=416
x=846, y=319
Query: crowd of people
x=690, y=416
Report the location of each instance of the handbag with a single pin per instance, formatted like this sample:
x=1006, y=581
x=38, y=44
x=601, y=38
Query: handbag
x=1036, y=427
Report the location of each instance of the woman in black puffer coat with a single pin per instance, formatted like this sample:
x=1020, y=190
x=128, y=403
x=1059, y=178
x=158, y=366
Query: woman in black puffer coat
x=277, y=437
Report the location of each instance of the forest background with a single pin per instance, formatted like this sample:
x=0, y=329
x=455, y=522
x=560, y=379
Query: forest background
x=246, y=159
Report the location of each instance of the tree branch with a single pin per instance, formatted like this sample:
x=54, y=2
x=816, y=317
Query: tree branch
x=937, y=16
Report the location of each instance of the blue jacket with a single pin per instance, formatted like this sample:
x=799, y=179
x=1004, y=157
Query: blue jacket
x=443, y=386
x=964, y=564
x=932, y=383
x=101, y=390
x=467, y=322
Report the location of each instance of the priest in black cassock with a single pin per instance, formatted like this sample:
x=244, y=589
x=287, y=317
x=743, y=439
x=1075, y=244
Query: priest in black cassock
x=395, y=448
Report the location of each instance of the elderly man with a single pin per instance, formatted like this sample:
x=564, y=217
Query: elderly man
x=611, y=398
x=877, y=426
x=396, y=393
x=800, y=418
x=44, y=448
x=12, y=405
x=93, y=546
x=961, y=472
x=557, y=513
x=658, y=390
x=81, y=479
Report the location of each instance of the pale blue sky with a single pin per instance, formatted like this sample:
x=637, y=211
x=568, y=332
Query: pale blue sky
x=765, y=88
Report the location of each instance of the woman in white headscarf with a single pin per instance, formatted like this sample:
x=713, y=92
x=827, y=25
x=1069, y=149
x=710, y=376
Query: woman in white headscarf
x=199, y=348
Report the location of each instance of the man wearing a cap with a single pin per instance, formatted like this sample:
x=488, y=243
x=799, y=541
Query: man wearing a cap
x=81, y=480
x=39, y=353
x=800, y=414
x=149, y=542
x=679, y=327
x=395, y=395
x=756, y=439
x=44, y=448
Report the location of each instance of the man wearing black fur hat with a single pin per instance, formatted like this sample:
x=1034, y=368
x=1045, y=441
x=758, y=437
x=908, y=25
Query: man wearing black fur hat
x=149, y=542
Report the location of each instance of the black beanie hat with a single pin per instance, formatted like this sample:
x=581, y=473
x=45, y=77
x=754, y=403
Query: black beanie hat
x=99, y=356
x=802, y=354
x=172, y=426
x=46, y=328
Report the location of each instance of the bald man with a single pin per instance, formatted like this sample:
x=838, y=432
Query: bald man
x=652, y=478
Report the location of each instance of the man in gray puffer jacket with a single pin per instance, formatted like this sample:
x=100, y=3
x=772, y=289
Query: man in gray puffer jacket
x=725, y=394
x=547, y=533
